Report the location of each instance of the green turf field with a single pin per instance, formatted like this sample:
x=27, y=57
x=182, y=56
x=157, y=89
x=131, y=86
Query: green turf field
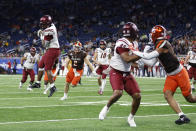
x=21, y=110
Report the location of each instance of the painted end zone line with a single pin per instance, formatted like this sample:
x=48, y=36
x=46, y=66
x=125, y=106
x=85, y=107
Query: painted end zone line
x=60, y=120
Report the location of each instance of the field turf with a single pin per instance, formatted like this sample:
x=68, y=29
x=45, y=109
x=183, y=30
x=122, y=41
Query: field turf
x=21, y=110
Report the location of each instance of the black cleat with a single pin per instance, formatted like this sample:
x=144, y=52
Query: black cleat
x=182, y=120
x=36, y=85
x=52, y=90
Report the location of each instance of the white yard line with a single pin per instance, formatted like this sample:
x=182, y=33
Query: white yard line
x=122, y=103
x=71, y=97
x=78, y=119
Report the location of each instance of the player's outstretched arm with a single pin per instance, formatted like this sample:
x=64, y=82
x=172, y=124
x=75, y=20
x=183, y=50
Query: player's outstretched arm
x=86, y=60
x=95, y=57
x=186, y=59
x=22, y=60
x=150, y=55
x=129, y=58
x=67, y=60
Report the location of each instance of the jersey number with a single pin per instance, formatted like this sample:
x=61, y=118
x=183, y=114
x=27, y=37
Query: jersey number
x=75, y=63
x=32, y=60
x=103, y=55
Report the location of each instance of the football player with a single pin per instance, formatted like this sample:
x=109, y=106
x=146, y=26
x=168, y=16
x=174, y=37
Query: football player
x=29, y=61
x=120, y=76
x=77, y=58
x=55, y=70
x=176, y=73
x=191, y=62
x=48, y=35
x=102, y=57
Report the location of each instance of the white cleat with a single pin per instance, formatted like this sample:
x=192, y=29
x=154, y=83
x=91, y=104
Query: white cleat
x=63, y=98
x=103, y=113
x=131, y=122
x=45, y=92
x=29, y=89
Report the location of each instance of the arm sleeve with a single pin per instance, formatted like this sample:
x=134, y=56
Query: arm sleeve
x=147, y=48
x=150, y=55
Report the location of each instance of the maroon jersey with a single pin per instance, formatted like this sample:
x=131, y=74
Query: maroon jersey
x=77, y=59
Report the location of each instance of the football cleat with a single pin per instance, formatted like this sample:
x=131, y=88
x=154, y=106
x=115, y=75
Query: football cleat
x=36, y=85
x=45, y=92
x=52, y=90
x=63, y=98
x=100, y=92
x=182, y=120
x=103, y=113
x=131, y=122
x=29, y=89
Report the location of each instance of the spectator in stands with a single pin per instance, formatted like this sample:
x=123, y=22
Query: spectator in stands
x=14, y=66
x=9, y=67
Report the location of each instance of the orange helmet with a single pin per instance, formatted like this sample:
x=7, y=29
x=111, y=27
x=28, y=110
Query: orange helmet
x=157, y=32
x=77, y=44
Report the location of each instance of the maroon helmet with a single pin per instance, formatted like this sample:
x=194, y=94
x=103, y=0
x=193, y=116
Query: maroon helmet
x=45, y=21
x=130, y=30
x=193, y=47
x=102, y=44
x=33, y=51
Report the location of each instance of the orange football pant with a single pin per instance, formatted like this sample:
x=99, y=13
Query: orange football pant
x=181, y=79
x=71, y=78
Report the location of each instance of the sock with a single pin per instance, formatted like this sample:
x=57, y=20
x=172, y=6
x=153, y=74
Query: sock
x=45, y=86
x=21, y=83
x=51, y=85
x=181, y=113
x=131, y=116
x=103, y=83
x=38, y=82
x=65, y=94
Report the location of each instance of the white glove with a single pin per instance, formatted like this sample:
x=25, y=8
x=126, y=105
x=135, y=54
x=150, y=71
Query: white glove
x=94, y=73
x=40, y=34
x=107, y=71
x=76, y=73
x=22, y=66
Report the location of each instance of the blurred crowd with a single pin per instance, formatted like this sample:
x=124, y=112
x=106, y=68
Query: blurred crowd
x=91, y=20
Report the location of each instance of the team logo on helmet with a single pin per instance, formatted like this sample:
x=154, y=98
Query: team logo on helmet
x=157, y=32
x=45, y=21
x=130, y=30
x=77, y=46
x=102, y=44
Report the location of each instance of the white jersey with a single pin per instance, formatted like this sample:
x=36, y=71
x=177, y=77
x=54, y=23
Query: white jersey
x=50, y=37
x=31, y=60
x=103, y=56
x=192, y=55
x=116, y=61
